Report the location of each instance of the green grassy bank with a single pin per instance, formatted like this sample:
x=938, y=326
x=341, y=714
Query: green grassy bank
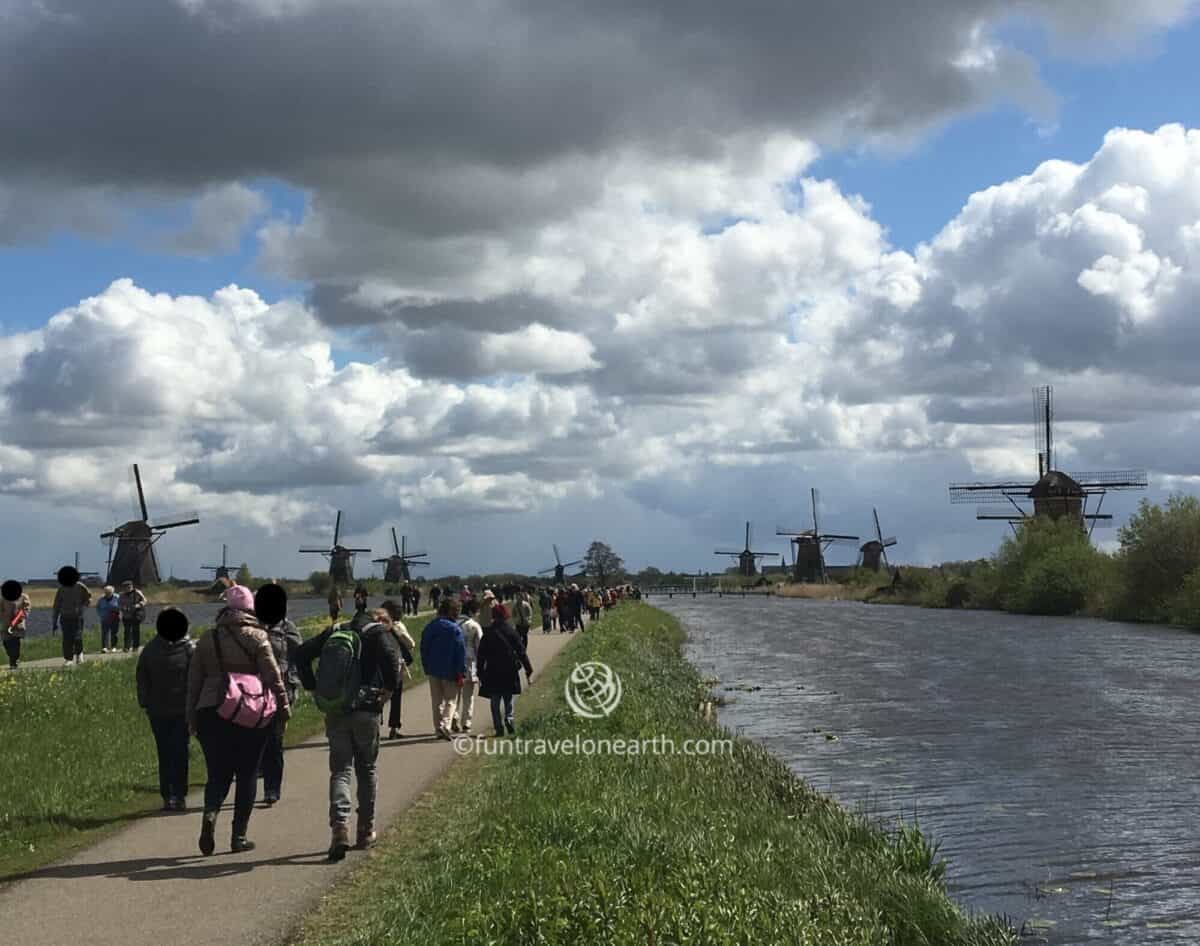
x=78, y=758
x=663, y=849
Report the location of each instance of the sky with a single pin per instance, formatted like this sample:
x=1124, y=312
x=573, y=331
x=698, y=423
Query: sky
x=509, y=274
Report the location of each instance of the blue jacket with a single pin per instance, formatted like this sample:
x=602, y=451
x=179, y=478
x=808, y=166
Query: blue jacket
x=443, y=650
x=109, y=609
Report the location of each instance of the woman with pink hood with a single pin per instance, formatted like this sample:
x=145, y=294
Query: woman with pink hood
x=236, y=644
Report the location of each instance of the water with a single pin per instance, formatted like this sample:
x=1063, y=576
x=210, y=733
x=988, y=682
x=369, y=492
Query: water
x=1054, y=758
x=200, y=615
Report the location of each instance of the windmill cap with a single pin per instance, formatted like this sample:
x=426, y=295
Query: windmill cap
x=239, y=598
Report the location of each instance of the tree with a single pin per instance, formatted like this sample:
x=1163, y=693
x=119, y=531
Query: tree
x=243, y=575
x=1160, y=547
x=602, y=563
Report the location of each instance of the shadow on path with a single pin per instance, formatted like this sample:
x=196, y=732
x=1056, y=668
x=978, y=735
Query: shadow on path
x=193, y=867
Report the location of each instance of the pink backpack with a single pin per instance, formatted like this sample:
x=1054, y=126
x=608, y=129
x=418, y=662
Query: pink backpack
x=247, y=702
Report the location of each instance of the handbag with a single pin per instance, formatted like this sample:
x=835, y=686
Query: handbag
x=247, y=701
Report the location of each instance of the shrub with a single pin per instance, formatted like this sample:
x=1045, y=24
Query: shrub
x=1185, y=607
x=1160, y=548
x=1049, y=567
x=320, y=582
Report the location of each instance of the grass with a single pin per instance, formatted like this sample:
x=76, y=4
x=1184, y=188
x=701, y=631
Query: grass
x=662, y=849
x=43, y=597
x=79, y=760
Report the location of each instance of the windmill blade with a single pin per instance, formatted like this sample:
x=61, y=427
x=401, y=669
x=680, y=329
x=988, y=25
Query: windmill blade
x=989, y=492
x=726, y=552
x=409, y=555
x=313, y=548
x=878, y=531
x=376, y=561
x=547, y=571
x=832, y=537
x=191, y=519
x=1113, y=479
x=573, y=564
x=747, y=536
x=816, y=524
x=395, y=544
x=356, y=551
x=888, y=542
x=137, y=478
x=337, y=527
x=557, y=557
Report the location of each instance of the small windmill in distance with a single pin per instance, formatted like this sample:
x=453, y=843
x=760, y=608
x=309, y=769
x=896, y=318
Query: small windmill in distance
x=399, y=563
x=871, y=552
x=341, y=558
x=810, y=545
x=131, y=545
x=747, y=559
x=560, y=567
x=222, y=570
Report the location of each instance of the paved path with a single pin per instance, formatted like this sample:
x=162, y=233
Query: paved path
x=149, y=885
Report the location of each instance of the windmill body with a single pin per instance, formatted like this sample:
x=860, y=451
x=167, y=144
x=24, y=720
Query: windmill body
x=1053, y=494
x=559, y=569
x=873, y=552
x=398, y=566
x=809, y=546
x=222, y=570
x=747, y=558
x=341, y=558
x=131, y=545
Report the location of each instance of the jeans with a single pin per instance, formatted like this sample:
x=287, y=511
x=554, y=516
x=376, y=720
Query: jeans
x=272, y=762
x=133, y=635
x=231, y=752
x=12, y=647
x=507, y=719
x=353, y=744
x=108, y=634
x=72, y=636
x=394, y=706
x=172, y=741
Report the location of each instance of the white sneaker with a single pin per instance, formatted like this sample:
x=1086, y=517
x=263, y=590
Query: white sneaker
x=104, y=650
x=67, y=661
x=79, y=659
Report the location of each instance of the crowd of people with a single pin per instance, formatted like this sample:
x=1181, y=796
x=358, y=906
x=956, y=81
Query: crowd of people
x=234, y=687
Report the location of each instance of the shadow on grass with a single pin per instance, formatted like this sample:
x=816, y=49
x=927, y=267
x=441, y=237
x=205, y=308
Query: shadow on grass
x=192, y=867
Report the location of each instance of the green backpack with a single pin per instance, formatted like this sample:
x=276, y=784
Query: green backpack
x=338, y=673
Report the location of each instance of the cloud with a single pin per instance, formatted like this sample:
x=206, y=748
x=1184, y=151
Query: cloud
x=220, y=216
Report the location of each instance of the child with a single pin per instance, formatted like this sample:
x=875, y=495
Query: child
x=162, y=675
x=14, y=607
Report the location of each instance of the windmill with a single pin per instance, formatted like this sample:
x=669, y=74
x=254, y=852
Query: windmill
x=222, y=570
x=1054, y=494
x=131, y=545
x=747, y=560
x=560, y=567
x=809, y=547
x=870, y=553
x=399, y=563
x=341, y=558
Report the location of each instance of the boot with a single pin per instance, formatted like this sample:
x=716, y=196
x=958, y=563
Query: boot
x=339, y=844
x=366, y=835
x=208, y=828
x=238, y=841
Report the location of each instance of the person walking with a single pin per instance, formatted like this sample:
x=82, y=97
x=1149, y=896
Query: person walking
x=523, y=617
x=270, y=607
x=546, y=606
x=14, y=609
x=236, y=644
x=435, y=596
x=70, y=606
x=464, y=704
x=162, y=688
x=133, y=613
x=500, y=660
x=408, y=652
x=108, y=612
x=444, y=657
x=366, y=661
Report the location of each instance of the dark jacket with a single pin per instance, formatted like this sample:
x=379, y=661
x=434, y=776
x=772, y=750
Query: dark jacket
x=499, y=661
x=162, y=676
x=378, y=662
x=285, y=641
x=443, y=650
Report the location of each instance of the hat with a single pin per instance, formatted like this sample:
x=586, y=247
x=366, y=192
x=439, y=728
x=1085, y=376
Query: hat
x=109, y=589
x=127, y=585
x=239, y=598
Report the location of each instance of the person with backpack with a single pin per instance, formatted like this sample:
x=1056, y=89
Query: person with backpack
x=408, y=653
x=108, y=613
x=357, y=672
x=523, y=615
x=14, y=609
x=444, y=657
x=70, y=606
x=270, y=607
x=464, y=705
x=500, y=660
x=162, y=680
x=235, y=694
x=133, y=613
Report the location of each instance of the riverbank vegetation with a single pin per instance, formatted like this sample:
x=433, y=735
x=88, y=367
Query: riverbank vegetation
x=1050, y=567
x=79, y=759
x=656, y=848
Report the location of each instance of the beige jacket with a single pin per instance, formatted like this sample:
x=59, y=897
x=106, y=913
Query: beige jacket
x=8, y=610
x=245, y=648
x=402, y=634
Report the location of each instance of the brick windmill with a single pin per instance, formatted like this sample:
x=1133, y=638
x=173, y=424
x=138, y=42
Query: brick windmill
x=747, y=560
x=559, y=568
x=222, y=570
x=873, y=551
x=131, y=545
x=809, y=547
x=399, y=563
x=341, y=558
x=1054, y=494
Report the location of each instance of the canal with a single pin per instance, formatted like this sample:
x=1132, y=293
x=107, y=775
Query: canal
x=1054, y=759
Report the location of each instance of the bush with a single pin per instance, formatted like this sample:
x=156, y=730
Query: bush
x=1185, y=607
x=320, y=582
x=1160, y=549
x=1049, y=567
